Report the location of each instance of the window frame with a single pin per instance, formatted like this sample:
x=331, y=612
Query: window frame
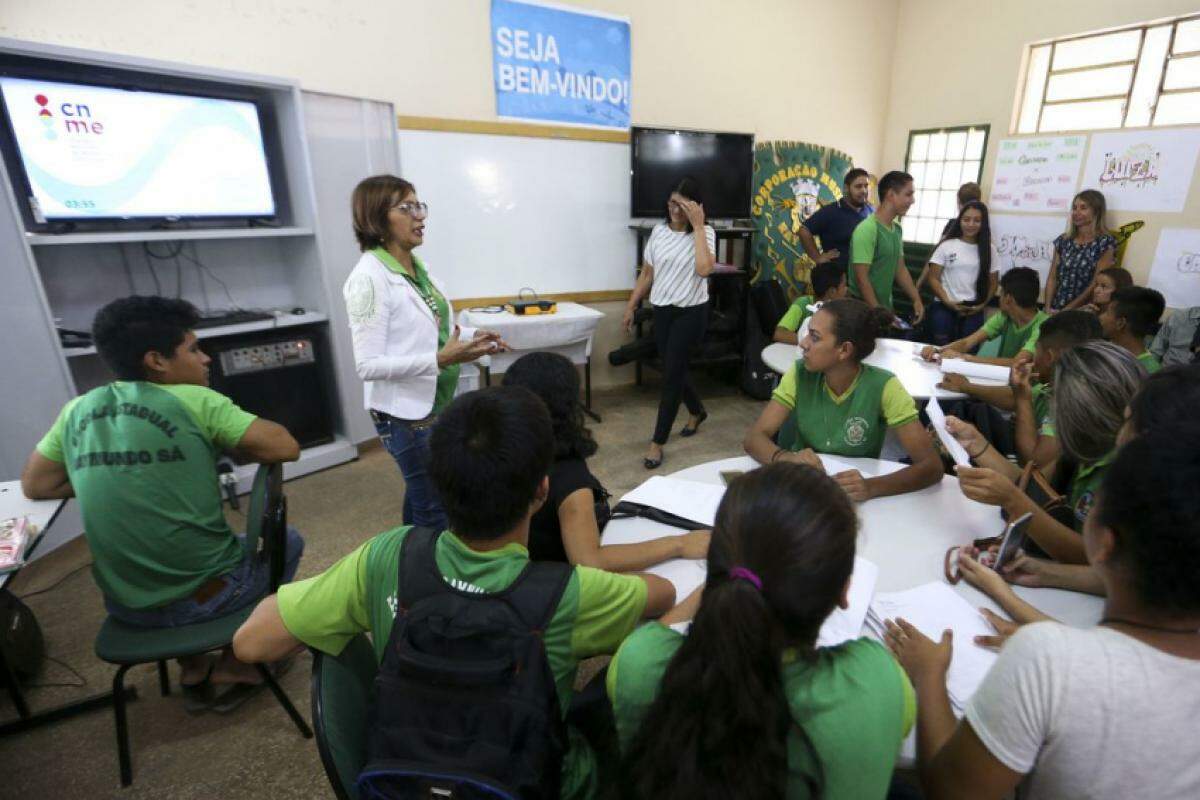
x=1126, y=99
x=986, y=127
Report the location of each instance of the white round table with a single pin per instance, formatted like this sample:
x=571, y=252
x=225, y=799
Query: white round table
x=902, y=358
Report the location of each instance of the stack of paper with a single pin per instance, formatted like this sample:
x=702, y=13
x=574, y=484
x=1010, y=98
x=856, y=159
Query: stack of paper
x=931, y=609
x=688, y=499
x=845, y=624
x=988, y=372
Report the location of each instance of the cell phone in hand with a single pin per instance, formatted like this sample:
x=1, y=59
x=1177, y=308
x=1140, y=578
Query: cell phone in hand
x=1014, y=539
x=901, y=323
x=727, y=475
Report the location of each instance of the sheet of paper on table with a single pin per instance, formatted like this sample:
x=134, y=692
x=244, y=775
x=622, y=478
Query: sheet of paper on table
x=845, y=624
x=932, y=608
x=970, y=369
x=685, y=574
x=938, y=420
x=683, y=498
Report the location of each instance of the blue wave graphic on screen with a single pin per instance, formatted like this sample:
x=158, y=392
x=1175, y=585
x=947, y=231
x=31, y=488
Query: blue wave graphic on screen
x=112, y=195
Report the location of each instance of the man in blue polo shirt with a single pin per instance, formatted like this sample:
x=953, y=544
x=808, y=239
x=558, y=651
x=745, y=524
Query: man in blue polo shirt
x=836, y=221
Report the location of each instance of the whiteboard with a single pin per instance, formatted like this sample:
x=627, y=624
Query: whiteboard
x=513, y=211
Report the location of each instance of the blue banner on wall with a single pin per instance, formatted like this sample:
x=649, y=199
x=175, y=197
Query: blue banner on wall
x=555, y=64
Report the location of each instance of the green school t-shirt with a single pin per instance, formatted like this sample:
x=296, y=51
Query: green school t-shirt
x=142, y=459
x=1041, y=409
x=447, y=380
x=854, y=701
x=849, y=424
x=1151, y=363
x=881, y=246
x=794, y=317
x=1084, y=485
x=1014, y=339
x=359, y=593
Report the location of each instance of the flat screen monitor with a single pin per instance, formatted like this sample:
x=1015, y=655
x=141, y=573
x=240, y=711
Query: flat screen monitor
x=107, y=153
x=720, y=162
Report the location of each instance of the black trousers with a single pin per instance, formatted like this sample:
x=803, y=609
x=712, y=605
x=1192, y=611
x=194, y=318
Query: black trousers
x=676, y=330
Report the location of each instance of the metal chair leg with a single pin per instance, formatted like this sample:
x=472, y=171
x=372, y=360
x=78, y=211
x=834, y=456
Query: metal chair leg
x=122, y=726
x=285, y=701
x=164, y=682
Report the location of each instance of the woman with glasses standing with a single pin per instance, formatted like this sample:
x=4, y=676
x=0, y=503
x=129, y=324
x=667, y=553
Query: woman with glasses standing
x=407, y=349
x=679, y=257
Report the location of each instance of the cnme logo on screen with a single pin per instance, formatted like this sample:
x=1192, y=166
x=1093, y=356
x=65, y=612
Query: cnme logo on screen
x=76, y=118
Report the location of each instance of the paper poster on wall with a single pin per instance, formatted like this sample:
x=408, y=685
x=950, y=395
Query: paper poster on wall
x=1026, y=241
x=1176, y=268
x=1037, y=174
x=1143, y=170
x=555, y=64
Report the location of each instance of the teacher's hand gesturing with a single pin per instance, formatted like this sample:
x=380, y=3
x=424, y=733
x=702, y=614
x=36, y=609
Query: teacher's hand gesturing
x=458, y=351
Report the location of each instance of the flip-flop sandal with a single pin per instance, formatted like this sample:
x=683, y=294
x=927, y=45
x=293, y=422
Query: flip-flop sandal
x=239, y=693
x=198, y=697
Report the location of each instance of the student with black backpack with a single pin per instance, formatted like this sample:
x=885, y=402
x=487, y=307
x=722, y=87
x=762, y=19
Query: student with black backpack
x=477, y=645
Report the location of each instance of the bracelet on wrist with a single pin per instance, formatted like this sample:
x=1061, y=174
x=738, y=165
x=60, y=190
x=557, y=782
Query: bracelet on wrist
x=775, y=455
x=984, y=449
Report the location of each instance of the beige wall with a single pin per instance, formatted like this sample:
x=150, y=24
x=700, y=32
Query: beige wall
x=957, y=62
x=769, y=67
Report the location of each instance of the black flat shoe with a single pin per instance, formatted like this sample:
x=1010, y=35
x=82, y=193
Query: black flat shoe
x=690, y=431
x=650, y=463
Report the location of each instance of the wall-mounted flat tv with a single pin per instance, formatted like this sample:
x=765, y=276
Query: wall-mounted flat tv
x=722, y=163
x=84, y=152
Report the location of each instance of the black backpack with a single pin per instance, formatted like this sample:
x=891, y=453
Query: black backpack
x=466, y=705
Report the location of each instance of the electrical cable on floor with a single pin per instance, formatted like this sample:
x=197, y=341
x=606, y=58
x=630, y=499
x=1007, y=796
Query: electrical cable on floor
x=54, y=585
x=82, y=681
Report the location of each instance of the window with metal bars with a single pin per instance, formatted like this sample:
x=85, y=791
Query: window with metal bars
x=940, y=160
x=1139, y=76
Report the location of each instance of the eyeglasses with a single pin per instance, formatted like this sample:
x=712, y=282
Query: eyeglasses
x=413, y=209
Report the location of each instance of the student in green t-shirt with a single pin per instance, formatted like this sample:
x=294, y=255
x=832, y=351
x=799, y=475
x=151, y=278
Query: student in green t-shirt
x=1130, y=318
x=1017, y=325
x=747, y=703
x=140, y=455
x=831, y=402
x=828, y=282
x=877, y=248
x=490, y=453
x=1093, y=385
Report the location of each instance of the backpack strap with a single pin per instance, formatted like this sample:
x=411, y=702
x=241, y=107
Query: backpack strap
x=536, y=592
x=417, y=570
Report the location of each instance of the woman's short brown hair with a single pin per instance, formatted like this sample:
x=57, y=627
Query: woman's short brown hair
x=373, y=198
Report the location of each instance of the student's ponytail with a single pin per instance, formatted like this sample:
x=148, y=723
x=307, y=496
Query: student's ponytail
x=781, y=554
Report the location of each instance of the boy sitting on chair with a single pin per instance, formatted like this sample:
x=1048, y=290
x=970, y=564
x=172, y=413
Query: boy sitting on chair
x=140, y=455
x=491, y=451
x=828, y=283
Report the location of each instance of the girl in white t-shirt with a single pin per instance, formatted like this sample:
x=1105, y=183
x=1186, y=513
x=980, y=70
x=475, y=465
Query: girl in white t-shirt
x=963, y=275
x=1101, y=713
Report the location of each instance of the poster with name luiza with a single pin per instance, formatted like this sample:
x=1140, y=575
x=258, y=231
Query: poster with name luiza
x=1038, y=174
x=1143, y=170
x=1176, y=268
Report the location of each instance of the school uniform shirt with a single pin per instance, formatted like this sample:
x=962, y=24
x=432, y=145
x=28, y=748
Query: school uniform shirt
x=1085, y=483
x=959, y=261
x=797, y=312
x=359, y=594
x=853, y=424
x=142, y=459
x=881, y=247
x=854, y=702
x=1090, y=713
x=1041, y=409
x=1173, y=343
x=672, y=254
x=1014, y=339
x=1077, y=266
x=834, y=224
x=1148, y=361
x=398, y=323
x=567, y=476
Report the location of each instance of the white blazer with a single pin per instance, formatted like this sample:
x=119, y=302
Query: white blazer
x=395, y=338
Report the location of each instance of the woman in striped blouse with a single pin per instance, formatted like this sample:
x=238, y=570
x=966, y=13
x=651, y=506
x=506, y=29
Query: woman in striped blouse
x=678, y=260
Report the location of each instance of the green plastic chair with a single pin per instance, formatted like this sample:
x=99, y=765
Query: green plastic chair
x=342, y=687
x=127, y=645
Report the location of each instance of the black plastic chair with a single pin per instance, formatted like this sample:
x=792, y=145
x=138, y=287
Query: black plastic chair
x=770, y=304
x=127, y=645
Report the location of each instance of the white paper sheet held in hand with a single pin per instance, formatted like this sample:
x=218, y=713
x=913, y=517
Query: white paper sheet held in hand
x=932, y=608
x=845, y=624
x=993, y=373
x=938, y=419
x=688, y=499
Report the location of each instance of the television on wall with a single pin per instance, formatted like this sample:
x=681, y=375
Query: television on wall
x=82, y=151
x=721, y=163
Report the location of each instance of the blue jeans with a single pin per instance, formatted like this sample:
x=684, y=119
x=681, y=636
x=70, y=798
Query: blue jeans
x=947, y=325
x=244, y=584
x=408, y=443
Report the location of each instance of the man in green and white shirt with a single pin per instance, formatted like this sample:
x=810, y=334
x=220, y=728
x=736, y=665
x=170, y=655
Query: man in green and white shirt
x=877, y=248
x=140, y=455
x=491, y=451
